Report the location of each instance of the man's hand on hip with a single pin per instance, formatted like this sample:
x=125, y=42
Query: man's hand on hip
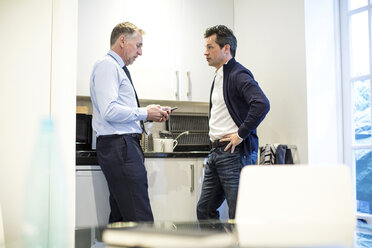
x=234, y=140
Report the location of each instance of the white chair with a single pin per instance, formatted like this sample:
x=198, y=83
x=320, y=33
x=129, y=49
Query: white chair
x=292, y=206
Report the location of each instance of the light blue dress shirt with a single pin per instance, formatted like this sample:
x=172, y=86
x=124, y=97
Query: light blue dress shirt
x=114, y=102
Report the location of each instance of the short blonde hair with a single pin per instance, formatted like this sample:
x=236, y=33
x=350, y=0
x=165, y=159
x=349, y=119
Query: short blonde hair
x=125, y=28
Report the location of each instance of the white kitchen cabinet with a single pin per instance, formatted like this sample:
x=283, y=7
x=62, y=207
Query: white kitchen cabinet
x=172, y=66
x=92, y=197
x=174, y=187
x=96, y=19
x=196, y=75
x=174, y=190
x=154, y=73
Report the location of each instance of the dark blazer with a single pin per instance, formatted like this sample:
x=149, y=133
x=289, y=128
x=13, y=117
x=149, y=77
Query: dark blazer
x=245, y=101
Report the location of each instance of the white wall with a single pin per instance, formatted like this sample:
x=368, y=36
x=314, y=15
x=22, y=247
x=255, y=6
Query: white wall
x=323, y=83
x=63, y=99
x=271, y=43
x=37, y=79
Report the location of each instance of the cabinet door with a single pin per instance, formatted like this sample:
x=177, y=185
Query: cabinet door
x=92, y=197
x=197, y=16
x=96, y=19
x=155, y=72
x=173, y=188
x=172, y=66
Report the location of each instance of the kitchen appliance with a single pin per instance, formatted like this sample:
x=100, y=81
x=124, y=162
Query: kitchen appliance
x=197, y=124
x=83, y=132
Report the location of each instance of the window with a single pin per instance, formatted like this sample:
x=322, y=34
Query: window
x=356, y=66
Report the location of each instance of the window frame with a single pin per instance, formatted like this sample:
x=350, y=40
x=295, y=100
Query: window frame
x=347, y=89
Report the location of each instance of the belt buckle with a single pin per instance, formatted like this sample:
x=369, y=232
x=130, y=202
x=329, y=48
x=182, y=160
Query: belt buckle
x=137, y=136
x=214, y=144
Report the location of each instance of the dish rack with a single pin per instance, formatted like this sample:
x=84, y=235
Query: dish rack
x=196, y=124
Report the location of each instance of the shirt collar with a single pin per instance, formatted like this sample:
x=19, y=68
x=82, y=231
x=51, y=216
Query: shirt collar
x=220, y=70
x=116, y=57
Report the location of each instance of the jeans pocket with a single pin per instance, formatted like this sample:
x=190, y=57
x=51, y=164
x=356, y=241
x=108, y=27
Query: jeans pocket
x=123, y=149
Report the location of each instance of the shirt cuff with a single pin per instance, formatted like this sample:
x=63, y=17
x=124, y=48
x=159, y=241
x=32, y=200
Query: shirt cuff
x=142, y=113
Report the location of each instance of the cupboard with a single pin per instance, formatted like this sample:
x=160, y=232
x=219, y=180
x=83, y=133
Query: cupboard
x=174, y=190
x=173, y=66
x=174, y=187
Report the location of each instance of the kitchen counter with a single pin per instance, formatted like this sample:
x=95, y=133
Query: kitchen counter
x=191, y=154
x=90, y=157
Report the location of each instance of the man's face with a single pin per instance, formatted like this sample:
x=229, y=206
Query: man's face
x=132, y=49
x=213, y=52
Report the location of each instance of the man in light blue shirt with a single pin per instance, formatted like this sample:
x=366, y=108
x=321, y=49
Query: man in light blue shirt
x=118, y=120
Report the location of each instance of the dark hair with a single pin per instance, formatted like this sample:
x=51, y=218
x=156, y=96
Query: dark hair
x=224, y=36
x=125, y=28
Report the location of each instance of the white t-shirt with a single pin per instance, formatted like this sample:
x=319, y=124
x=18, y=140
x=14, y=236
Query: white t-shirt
x=220, y=122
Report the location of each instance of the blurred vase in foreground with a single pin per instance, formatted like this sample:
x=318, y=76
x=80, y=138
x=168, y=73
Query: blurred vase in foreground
x=45, y=194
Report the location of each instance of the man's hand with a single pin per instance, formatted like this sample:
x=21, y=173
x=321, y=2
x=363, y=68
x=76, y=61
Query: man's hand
x=157, y=113
x=234, y=141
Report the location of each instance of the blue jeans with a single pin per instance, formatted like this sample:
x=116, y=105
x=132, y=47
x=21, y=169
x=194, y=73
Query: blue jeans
x=221, y=181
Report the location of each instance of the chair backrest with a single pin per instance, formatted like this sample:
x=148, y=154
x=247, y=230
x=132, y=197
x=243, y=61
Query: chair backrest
x=295, y=206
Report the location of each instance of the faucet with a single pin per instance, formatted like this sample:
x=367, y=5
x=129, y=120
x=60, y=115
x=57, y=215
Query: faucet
x=186, y=132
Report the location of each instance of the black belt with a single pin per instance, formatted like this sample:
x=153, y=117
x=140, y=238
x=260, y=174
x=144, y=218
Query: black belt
x=218, y=143
x=137, y=136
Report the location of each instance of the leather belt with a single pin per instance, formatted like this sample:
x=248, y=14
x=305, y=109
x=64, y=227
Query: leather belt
x=137, y=136
x=218, y=143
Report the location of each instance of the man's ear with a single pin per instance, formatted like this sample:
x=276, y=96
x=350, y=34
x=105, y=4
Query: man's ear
x=227, y=48
x=123, y=41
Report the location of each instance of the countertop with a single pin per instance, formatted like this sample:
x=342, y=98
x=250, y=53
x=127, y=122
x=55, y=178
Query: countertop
x=190, y=154
x=90, y=157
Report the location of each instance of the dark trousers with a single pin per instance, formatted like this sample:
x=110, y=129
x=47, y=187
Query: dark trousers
x=122, y=162
x=221, y=181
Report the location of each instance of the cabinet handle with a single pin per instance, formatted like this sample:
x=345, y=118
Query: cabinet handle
x=88, y=170
x=188, y=93
x=178, y=83
x=192, y=169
